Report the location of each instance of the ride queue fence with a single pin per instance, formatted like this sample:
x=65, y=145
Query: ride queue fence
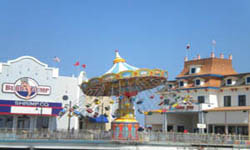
x=144, y=137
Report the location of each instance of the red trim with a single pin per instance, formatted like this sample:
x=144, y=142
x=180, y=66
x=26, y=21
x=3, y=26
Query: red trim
x=7, y=113
x=128, y=94
x=31, y=106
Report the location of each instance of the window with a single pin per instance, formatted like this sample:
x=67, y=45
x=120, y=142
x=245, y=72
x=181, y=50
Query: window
x=197, y=82
x=193, y=70
x=242, y=100
x=229, y=81
x=227, y=100
x=181, y=83
x=42, y=122
x=248, y=80
x=201, y=99
x=6, y=121
x=232, y=129
x=242, y=130
x=219, y=129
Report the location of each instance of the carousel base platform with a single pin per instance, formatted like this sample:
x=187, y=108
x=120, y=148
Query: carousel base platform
x=125, y=129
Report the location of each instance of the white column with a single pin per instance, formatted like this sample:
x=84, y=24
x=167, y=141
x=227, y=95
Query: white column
x=175, y=128
x=226, y=125
x=201, y=120
x=35, y=122
x=165, y=122
x=31, y=122
x=14, y=122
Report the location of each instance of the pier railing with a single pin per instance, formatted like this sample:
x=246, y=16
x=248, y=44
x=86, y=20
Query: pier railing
x=193, y=138
x=149, y=137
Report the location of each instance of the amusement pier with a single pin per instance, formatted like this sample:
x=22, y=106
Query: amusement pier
x=206, y=107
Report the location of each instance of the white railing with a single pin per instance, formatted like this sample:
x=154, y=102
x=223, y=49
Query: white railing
x=146, y=137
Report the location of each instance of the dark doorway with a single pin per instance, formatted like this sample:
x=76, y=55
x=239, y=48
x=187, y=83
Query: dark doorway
x=180, y=128
x=170, y=128
x=219, y=129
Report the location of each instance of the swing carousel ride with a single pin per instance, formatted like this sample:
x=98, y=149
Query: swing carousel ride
x=125, y=82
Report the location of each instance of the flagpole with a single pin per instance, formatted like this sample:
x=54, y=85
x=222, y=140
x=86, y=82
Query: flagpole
x=187, y=49
x=76, y=65
x=78, y=71
x=213, y=45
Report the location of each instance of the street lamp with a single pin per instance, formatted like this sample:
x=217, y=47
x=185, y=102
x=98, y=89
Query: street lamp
x=65, y=98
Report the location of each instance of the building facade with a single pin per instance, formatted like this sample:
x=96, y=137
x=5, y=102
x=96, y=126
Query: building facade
x=32, y=95
x=213, y=98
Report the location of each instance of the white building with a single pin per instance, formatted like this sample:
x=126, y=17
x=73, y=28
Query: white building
x=218, y=99
x=32, y=94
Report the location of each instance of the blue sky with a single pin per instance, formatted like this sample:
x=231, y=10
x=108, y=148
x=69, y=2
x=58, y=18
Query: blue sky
x=148, y=33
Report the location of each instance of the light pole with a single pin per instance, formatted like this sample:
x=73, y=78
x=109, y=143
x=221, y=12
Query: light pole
x=69, y=115
x=41, y=111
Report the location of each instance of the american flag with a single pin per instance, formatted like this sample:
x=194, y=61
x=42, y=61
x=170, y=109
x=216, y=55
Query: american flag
x=56, y=59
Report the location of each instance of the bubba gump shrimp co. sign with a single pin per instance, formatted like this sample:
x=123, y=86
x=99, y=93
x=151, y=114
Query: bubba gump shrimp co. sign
x=26, y=88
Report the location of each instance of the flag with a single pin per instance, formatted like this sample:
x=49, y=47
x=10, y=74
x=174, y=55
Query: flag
x=188, y=46
x=77, y=63
x=213, y=42
x=175, y=105
x=83, y=65
x=56, y=59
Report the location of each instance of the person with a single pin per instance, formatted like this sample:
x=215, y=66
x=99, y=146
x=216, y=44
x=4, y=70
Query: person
x=27, y=87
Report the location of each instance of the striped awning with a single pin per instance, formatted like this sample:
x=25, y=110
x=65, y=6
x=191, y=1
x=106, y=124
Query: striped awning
x=120, y=65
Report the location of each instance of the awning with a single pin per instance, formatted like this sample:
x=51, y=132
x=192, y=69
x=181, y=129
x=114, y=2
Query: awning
x=100, y=119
